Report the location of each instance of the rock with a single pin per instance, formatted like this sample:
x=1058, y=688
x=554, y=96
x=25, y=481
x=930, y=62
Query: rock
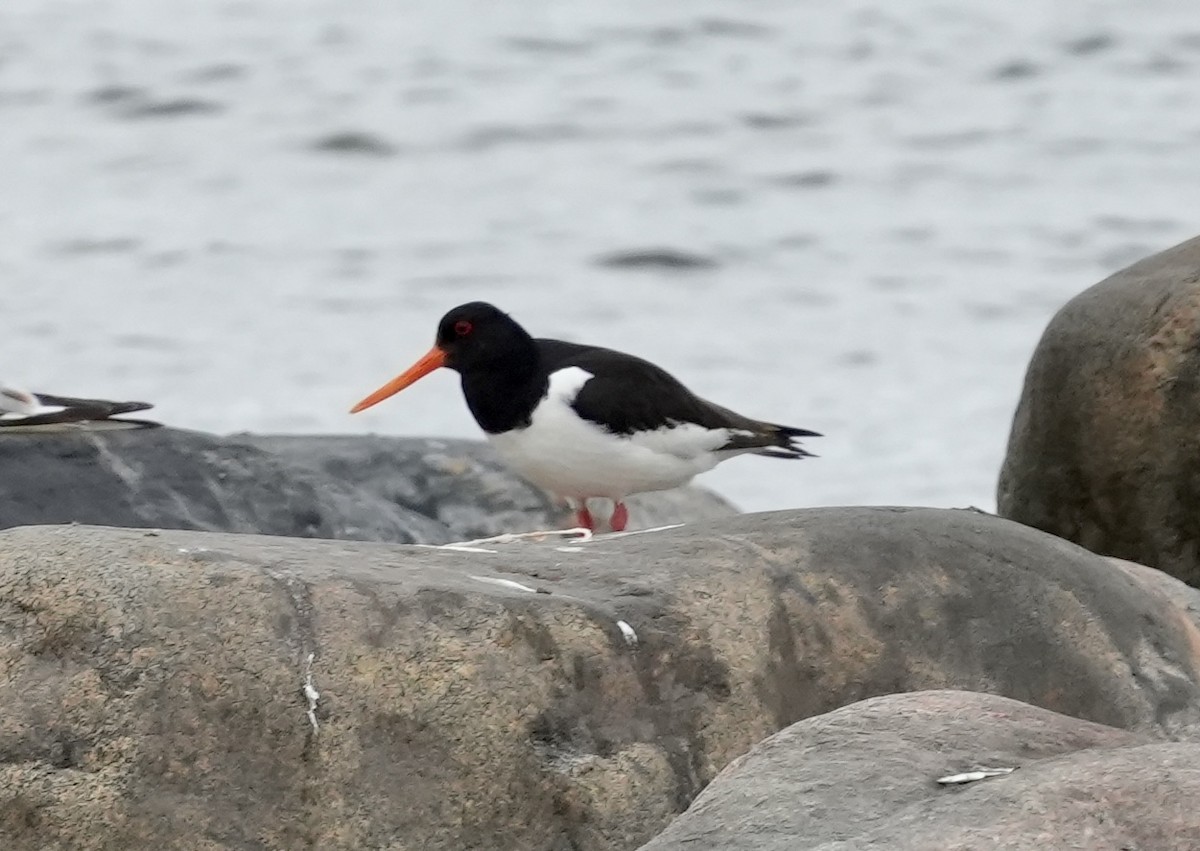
x=154, y=682
x=167, y=478
x=464, y=486
x=1104, y=449
x=865, y=777
x=406, y=490
x=1184, y=596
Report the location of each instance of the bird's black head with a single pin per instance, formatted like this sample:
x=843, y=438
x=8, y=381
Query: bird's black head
x=476, y=340
x=478, y=337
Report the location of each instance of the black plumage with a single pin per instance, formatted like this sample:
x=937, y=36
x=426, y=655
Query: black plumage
x=627, y=394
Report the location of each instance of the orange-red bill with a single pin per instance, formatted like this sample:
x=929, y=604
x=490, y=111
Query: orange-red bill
x=433, y=359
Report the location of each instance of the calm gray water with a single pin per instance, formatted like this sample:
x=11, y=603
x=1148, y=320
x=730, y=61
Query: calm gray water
x=254, y=212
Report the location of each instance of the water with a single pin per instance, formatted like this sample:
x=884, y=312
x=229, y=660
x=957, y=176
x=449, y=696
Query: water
x=252, y=213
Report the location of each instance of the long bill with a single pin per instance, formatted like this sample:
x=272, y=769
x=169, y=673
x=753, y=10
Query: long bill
x=432, y=360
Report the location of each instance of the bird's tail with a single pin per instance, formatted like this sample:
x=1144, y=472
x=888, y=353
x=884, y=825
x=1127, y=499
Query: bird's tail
x=93, y=408
x=61, y=410
x=786, y=442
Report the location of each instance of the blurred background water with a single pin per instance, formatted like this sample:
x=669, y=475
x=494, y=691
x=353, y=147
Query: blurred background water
x=851, y=216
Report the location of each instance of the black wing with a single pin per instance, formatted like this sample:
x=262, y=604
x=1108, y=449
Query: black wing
x=627, y=394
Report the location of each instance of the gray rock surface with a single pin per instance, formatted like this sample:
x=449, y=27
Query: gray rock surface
x=407, y=490
x=153, y=682
x=166, y=478
x=1104, y=449
x=865, y=777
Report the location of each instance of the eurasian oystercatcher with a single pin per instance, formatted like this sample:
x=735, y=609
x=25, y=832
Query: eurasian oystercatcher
x=20, y=409
x=582, y=421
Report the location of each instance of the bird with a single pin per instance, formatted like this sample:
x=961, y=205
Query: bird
x=584, y=421
x=21, y=409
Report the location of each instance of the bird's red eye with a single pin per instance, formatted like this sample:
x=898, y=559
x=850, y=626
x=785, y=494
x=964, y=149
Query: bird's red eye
x=462, y=327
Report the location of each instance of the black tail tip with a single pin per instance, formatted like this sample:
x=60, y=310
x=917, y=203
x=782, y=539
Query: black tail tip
x=798, y=432
x=788, y=431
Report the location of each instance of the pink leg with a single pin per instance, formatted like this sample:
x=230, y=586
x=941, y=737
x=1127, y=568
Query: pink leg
x=583, y=518
x=620, y=517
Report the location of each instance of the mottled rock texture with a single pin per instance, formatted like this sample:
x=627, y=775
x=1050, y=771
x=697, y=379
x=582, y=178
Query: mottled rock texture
x=1105, y=448
x=406, y=490
x=864, y=778
x=153, y=681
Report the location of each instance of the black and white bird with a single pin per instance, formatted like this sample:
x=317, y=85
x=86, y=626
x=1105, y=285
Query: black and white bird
x=583, y=421
x=22, y=410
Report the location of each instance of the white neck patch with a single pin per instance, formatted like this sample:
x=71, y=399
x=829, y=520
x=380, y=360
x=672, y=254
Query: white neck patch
x=565, y=384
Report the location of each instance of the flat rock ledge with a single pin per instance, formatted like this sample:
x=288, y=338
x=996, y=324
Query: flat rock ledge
x=363, y=488
x=190, y=690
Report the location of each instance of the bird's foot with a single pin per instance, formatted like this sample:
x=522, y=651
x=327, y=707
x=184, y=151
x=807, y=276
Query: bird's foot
x=620, y=517
x=583, y=518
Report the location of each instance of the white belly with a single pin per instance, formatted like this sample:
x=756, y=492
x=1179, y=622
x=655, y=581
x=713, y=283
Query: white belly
x=575, y=458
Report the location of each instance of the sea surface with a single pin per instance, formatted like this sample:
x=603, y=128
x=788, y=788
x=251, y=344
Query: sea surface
x=855, y=217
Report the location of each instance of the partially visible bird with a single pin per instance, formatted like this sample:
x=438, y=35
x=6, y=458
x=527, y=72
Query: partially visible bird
x=20, y=409
x=583, y=421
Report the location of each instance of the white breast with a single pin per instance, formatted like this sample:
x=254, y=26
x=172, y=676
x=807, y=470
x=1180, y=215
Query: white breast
x=572, y=457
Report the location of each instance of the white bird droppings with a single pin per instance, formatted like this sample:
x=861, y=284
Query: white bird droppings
x=311, y=694
x=456, y=548
x=612, y=535
x=505, y=583
x=577, y=534
x=972, y=776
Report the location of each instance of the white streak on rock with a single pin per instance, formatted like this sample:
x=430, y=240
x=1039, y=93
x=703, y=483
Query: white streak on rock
x=456, y=548
x=311, y=694
x=509, y=537
x=579, y=534
x=972, y=776
x=627, y=631
x=504, y=583
x=612, y=535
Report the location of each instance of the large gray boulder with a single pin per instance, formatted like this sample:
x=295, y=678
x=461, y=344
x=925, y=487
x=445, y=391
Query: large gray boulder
x=407, y=490
x=864, y=777
x=1105, y=449
x=539, y=697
